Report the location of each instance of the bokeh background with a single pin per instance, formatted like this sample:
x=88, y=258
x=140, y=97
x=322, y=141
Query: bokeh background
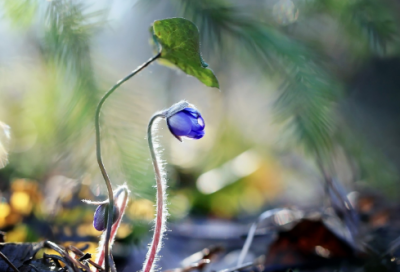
x=306, y=87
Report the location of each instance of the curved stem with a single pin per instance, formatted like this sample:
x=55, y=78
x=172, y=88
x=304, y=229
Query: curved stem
x=99, y=158
x=160, y=214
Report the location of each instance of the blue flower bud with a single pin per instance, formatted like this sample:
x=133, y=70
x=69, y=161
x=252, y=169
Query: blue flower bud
x=101, y=215
x=186, y=123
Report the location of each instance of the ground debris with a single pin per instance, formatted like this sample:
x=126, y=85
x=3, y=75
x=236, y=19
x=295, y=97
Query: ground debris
x=17, y=254
x=23, y=257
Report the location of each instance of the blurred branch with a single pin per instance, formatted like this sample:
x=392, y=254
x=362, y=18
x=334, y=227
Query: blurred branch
x=69, y=26
x=372, y=165
x=21, y=13
x=371, y=20
x=67, y=91
x=69, y=29
x=307, y=92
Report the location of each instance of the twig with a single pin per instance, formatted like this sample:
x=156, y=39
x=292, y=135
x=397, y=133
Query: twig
x=237, y=268
x=198, y=266
x=252, y=231
x=55, y=258
x=77, y=263
x=83, y=248
x=194, y=266
x=54, y=247
x=85, y=257
x=62, y=253
x=80, y=254
x=206, y=253
x=8, y=262
x=349, y=210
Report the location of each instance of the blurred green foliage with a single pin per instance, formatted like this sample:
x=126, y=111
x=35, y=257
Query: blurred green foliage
x=310, y=49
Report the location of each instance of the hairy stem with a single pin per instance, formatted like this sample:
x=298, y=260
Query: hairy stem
x=161, y=213
x=121, y=203
x=100, y=160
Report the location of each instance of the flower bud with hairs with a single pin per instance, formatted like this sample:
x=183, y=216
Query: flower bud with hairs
x=100, y=216
x=186, y=123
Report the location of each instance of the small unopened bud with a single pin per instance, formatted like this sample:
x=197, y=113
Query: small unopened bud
x=186, y=122
x=101, y=215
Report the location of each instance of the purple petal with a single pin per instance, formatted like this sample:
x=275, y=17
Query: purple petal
x=100, y=217
x=187, y=123
x=180, y=124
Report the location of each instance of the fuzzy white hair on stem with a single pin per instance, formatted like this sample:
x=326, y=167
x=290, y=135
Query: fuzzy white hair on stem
x=121, y=196
x=160, y=175
x=161, y=185
x=103, y=170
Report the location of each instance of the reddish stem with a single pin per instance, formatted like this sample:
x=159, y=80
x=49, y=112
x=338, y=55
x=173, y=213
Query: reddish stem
x=99, y=157
x=161, y=213
x=121, y=205
x=157, y=231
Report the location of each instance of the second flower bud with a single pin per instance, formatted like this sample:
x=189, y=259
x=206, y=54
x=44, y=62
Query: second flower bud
x=101, y=214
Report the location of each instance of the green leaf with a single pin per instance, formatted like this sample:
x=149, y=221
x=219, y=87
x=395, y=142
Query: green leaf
x=178, y=40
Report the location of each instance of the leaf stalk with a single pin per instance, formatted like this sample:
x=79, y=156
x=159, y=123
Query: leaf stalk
x=99, y=157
